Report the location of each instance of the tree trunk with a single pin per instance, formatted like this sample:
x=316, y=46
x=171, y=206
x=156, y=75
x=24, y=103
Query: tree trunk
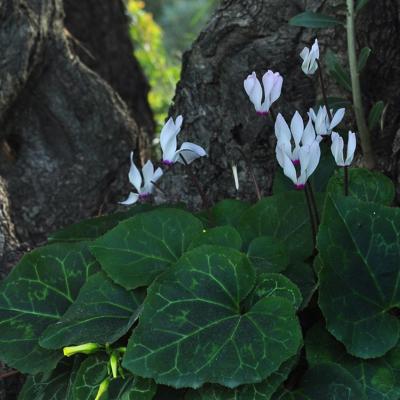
x=253, y=35
x=100, y=37
x=66, y=134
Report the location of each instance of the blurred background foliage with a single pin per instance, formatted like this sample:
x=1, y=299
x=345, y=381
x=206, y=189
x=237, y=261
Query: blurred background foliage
x=161, y=31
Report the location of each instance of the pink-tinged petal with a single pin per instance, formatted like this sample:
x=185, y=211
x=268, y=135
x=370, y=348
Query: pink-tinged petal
x=135, y=178
x=157, y=175
x=312, y=115
x=132, y=198
x=282, y=131
x=268, y=81
x=304, y=53
x=288, y=168
x=168, y=138
x=309, y=133
x=351, y=148
x=315, y=156
x=147, y=171
x=252, y=86
x=337, y=118
x=337, y=149
x=190, y=152
x=276, y=89
x=297, y=128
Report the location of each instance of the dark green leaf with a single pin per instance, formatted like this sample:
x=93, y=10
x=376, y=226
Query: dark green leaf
x=359, y=244
x=326, y=381
x=259, y=391
x=360, y=4
x=221, y=236
x=284, y=216
x=36, y=294
x=132, y=388
x=228, y=212
x=199, y=332
x=310, y=19
x=92, y=228
x=102, y=313
x=375, y=115
x=89, y=377
x=341, y=75
x=268, y=254
x=363, y=58
x=365, y=185
x=379, y=378
x=276, y=285
x=53, y=385
x=303, y=276
x=140, y=248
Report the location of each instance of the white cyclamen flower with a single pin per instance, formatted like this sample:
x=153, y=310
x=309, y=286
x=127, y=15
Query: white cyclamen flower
x=309, y=156
x=310, y=57
x=272, y=83
x=321, y=120
x=187, y=153
x=338, y=147
x=291, y=139
x=144, y=186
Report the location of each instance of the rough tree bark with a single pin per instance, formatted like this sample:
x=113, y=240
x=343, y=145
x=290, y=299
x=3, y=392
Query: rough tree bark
x=65, y=133
x=100, y=37
x=253, y=35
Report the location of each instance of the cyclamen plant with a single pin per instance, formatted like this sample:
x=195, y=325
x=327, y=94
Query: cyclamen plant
x=293, y=297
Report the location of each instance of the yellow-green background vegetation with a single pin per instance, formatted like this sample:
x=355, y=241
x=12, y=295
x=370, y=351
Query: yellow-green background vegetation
x=161, y=31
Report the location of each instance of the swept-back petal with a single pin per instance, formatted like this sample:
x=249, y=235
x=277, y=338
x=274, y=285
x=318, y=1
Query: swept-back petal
x=282, y=131
x=252, y=86
x=135, y=178
x=297, y=128
x=337, y=148
x=289, y=169
x=277, y=88
x=304, y=53
x=190, y=152
x=148, y=171
x=309, y=133
x=132, y=198
x=168, y=137
x=351, y=148
x=315, y=156
x=337, y=118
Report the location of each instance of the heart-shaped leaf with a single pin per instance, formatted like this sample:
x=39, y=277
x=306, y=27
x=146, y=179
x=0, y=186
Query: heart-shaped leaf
x=326, y=381
x=92, y=228
x=36, y=294
x=284, y=216
x=220, y=236
x=379, y=377
x=200, y=333
x=268, y=254
x=132, y=388
x=102, y=313
x=140, y=248
x=365, y=185
x=258, y=391
x=359, y=245
x=228, y=212
x=91, y=373
x=303, y=276
x=54, y=385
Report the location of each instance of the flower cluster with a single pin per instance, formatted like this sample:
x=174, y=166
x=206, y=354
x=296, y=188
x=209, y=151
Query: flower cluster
x=144, y=182
x=298, y=146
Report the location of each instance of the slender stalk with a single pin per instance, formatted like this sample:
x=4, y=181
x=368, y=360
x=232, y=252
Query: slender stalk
x=323, y=88
x=253, y=176
x=312, y=222
x=356, y=88
x=196, y=183
x=159, y=187
x=7, y=374
x=346, y=181
x=313, y=204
